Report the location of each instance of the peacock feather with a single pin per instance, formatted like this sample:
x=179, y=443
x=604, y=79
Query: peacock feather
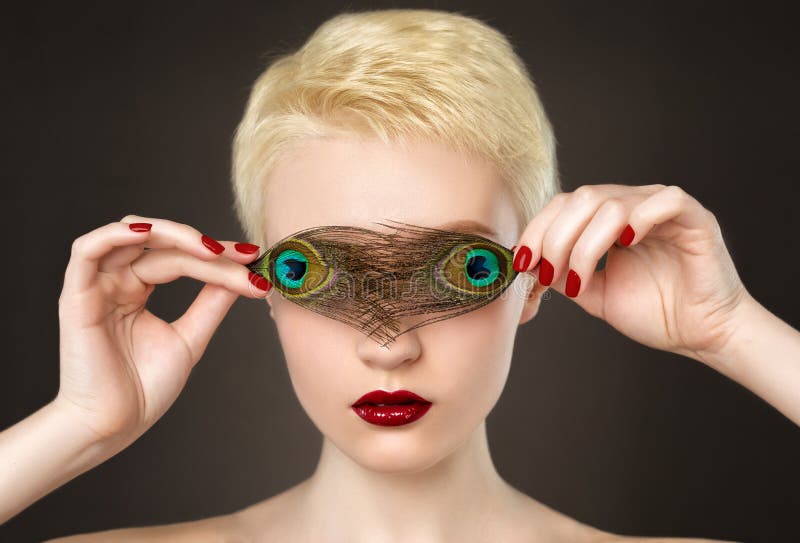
x=370, y=279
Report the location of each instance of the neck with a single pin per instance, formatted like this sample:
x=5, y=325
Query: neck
x=445, y=498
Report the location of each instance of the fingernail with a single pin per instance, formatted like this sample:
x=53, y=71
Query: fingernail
x=247, y=248
x=523, y=259
x=212, y=244
x=514, y=247
x=545, y=272
x=573, y=283
x=627, y=235
x=140, y=226
x=259, y=281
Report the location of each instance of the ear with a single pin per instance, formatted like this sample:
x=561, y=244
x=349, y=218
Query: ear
x=532, y=301
x=269, y=296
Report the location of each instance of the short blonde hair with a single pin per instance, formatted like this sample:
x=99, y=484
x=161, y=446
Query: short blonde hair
x=397, y=74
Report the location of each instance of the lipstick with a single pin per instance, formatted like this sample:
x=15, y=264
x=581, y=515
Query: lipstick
x=384, y=408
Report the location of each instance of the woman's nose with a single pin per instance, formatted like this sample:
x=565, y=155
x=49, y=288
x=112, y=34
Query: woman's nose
x=404, y=349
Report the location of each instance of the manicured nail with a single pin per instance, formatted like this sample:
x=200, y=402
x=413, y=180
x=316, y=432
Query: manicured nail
x=514, y=247
x=545, y=272
x=140, y=226
x=523, y=259
x=573, y=283
x=212, y=244
x=247, y=248
x=259, y=281
x=627, y=235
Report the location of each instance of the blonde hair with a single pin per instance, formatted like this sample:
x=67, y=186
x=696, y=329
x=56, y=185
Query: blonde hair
x=397, y=74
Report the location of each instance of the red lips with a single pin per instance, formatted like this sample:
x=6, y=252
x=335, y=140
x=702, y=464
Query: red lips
x=382, y=396
x=399, y=407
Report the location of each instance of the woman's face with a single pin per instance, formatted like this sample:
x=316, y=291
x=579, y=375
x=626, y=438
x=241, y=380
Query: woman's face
x=459, y=364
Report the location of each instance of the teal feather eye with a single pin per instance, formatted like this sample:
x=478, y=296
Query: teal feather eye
x=296, y=268
x=290, y=268
x=476, y=268
x=481, y=267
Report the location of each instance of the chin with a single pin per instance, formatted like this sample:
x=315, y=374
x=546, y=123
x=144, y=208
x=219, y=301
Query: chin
x=396, y=452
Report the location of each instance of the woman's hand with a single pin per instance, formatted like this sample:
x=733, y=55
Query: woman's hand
x=122, y=367
x=673, y=287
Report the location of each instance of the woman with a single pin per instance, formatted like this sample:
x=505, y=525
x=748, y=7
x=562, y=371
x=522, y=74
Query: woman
x=428, y=119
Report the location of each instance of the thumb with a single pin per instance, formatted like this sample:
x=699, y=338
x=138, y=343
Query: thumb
x=201, y=319
x=590, y=297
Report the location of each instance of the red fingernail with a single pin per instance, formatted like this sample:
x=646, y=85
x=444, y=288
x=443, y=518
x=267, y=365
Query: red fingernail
x=212, y=244
x=259, y=281
x=140, y=226
x=247, y=248
x=545, y=272
x=573, y=283
x=523, y=259
x=514, y=247
x=627, y=236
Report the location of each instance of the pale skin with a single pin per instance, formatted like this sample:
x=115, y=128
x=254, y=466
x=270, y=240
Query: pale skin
x=674, y=288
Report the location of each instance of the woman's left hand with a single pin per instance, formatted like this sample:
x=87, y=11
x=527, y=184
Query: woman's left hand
x=674, y=287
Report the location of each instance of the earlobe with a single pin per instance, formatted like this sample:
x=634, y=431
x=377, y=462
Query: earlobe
x=532, y=301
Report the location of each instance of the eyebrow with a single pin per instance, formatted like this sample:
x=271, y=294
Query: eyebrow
x=468, y=226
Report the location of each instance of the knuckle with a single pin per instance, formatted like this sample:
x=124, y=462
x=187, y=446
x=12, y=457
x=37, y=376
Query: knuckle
x=712, y=220
x=186, y=229
x=614, y=208
x=585, y=193
x=78, y=245
x=677, y=192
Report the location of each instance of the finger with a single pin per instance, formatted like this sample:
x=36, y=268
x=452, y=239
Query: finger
x=88, y=249
x=120, y=257
x=166, y=234
x=243, y=253
x=573, y=217
x=529, y=247
x=591, y=297
x=164, y=265
x=582, y=281
x=199, y=322
x=564, y=230
x=670, y=204
x=593, y=242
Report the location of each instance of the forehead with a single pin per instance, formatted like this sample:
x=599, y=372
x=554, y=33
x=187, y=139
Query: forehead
x=350, y=182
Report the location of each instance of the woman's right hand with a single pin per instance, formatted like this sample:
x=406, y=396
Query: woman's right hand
x=121, y=366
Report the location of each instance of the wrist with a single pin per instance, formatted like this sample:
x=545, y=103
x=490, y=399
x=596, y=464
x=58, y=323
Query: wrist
x=93, y=448
x=743, y=327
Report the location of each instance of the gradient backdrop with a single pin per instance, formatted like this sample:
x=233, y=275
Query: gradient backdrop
x=116, y=110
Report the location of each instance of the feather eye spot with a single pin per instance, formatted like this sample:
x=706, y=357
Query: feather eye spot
x=477, y=269
x=481, y=267
x=297, y=269
x=290, y=268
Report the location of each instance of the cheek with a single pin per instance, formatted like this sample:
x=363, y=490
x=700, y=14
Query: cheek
x=472, y=358
x=315, y=351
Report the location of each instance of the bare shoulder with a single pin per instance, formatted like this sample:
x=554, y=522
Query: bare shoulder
x=564, y=528
x=273, y=519
x=636, y=539
x=218, y=529
x=266, y=520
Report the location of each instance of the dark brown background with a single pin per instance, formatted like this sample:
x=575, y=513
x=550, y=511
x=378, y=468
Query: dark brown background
x=110, y=111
